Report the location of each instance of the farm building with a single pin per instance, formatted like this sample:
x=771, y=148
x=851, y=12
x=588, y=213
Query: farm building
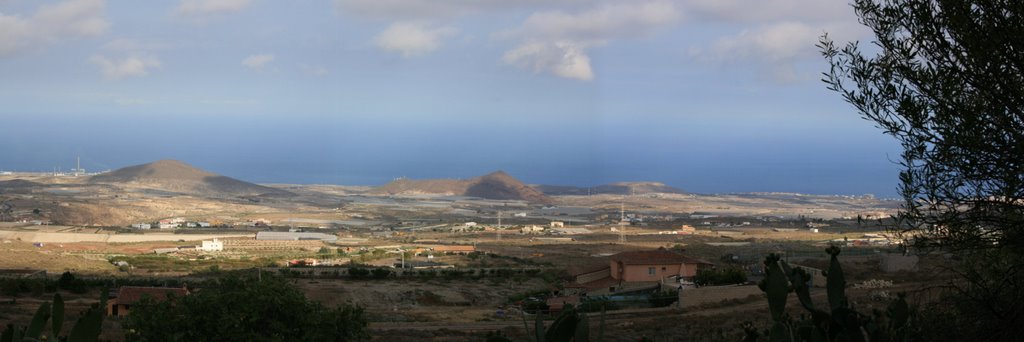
x=295, y=236
x=212, y=246
x=653, y=265
x=128, y=296
x=636, y=270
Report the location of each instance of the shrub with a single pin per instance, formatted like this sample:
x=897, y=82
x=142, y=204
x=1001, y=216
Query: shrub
x=381, y=273
x=720, y=276
x=663, y=298
x=358, y=273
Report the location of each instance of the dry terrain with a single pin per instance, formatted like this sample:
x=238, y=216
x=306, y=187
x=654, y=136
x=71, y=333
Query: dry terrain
x=81, y=224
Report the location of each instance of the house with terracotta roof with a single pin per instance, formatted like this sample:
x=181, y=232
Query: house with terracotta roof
x=653, y=265
x=635, y=271
x=128, y=296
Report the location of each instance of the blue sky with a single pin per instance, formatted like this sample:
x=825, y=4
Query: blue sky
x=706, y=95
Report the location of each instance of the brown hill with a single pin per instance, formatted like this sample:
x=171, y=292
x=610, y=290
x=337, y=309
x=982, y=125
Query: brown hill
x=176, y=176
x=498, y=185
x=620, y=188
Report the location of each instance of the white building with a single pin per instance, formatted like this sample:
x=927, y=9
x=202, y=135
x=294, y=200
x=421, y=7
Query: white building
x=470, y=224
x=212, y=246
x=531, y=229
x=142, y=226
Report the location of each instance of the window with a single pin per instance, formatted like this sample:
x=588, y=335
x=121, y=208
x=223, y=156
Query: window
x=652, y=271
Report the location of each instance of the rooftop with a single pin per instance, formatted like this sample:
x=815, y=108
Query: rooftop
x=660, y=256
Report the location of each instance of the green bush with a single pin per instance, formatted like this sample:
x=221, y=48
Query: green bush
x=535, y=306
x=358, y=273
x=69, y=282
x=244, y=309
x=380, y=273
x=663, y=298
x=720, y=276
x=597, y=304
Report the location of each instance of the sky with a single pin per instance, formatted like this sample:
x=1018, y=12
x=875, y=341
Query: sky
x=710, y=96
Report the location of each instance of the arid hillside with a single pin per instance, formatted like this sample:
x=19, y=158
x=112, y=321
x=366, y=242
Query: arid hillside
x=176, y=176
x=497, y=185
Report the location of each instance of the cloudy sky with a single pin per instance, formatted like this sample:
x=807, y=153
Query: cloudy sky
x=706, y=95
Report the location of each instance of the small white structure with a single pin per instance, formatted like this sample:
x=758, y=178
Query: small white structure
x=470, y=224
x=164, y=225
x=557, y=224
x=531, y=229
x=519, y=215
x=203, y=224
x=142, y=226
x=212, y=246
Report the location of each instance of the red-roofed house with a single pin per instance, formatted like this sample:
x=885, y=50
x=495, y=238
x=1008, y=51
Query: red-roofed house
x=653, y=265
x=633, y=270
x=127, y=296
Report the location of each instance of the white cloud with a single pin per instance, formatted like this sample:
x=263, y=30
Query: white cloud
x=132, y=66
x=51, y=23
x=762, y=11
x=602, y=23
x=564, y=59
x=557, y=42
x=772, y=43
x=434, y=9
x=776, y=37
x=774, y=48
x=412, y=38
x=210, y=7
x=257, y=61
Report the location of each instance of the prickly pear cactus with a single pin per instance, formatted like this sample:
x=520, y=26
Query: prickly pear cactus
x=839, y=323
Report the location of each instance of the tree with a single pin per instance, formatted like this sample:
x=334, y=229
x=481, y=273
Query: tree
x=947, y=81
x=241, y=309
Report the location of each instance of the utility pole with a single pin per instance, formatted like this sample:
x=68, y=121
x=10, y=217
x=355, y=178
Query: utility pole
x=622, y=222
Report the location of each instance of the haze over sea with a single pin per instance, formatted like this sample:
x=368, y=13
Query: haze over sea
x=322, y=149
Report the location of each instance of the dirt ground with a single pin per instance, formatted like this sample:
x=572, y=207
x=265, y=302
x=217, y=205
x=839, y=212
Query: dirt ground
x=21, y=255
x=411, y=300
